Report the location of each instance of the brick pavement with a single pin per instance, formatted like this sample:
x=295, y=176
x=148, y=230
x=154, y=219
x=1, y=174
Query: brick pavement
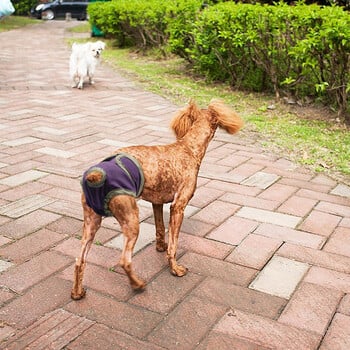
x=267, y=243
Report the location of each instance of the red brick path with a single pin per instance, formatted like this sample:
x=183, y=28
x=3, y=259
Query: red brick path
x=267, y=243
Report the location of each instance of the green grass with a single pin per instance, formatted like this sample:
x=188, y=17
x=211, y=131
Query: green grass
x=13, y=22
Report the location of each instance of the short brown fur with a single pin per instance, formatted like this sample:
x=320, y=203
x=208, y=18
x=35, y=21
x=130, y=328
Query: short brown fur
x=170, y=173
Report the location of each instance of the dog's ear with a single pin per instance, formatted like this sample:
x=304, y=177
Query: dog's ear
x=101, y=44
x=226, y=117
x=184, y=119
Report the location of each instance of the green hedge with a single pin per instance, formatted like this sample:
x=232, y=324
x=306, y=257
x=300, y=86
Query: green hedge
x=23, y=7
x=301, y=50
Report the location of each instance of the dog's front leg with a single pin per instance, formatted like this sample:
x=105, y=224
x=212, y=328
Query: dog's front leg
x=161, y=246
x=92, y=223
x=176, y=217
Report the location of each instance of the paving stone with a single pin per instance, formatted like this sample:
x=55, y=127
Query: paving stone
x=204, y=195
x=204, y=246
x=249, y=201
x=265, y=332
x=196, y=227
x=28, y=223
x=100, y=337
x=25, y=248
x=207, y=266
x=192, y=311
x=280, y=277
x=297, y=206
x=4, y=240
x=261, y=180
x=55, y=331
x=67, y=226
x=341, y=190
x=133, y=320
x=39, y=300
x=339, y=242
x=216, y=212
x=233, y=188
x=320, y=223
x=328, y=278
x=344, y=306
x=6, y=332
x=277, y=192
x=25, y=205
x=55, y=152
x=315, y=257
x=311, y=308
x=165, y=292
x=49, y=130
x=233, y=230
x=268, y=217
x=58, y=170
x=254, y=251
x=307, y=185
x=21, y=178
x=338, y=334
x=335, y=209
x=236, y=297
x=345, y=222
x=20, y=141
x=25, y=190
x=65, y=208
x=326, y=197
x=290, y=235
x=62, y=181
x=23, y=276
x=221, y=341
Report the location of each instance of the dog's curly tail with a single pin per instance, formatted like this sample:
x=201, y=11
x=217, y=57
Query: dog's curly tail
x=94, y=176
x=228, y=119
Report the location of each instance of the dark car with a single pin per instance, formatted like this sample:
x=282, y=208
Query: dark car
x=58, y=8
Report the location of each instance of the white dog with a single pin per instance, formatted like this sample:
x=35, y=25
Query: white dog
x=83, y=61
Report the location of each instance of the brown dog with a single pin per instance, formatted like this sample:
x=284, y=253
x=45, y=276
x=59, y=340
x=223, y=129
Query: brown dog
x=169, y=175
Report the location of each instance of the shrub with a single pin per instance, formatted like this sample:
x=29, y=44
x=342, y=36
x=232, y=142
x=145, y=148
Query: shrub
x=131, y=22
x=23, y=7
x=300, y=50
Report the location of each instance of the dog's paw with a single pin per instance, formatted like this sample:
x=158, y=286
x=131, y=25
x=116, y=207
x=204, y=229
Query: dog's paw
x=179, y=270
x=161, y=246
x=77, y=296
x=138, y=286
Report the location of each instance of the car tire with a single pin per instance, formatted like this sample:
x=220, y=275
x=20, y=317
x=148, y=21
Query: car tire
x=48, y=15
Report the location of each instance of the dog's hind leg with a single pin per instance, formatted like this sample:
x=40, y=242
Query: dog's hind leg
x=161, y=246
x=92, y=223
x=125, y=210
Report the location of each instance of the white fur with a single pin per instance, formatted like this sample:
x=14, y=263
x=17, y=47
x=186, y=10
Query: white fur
x=83, y=61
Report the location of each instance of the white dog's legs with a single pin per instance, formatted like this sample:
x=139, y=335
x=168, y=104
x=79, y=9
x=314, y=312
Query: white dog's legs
x=80, y=83
x=91, y=79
